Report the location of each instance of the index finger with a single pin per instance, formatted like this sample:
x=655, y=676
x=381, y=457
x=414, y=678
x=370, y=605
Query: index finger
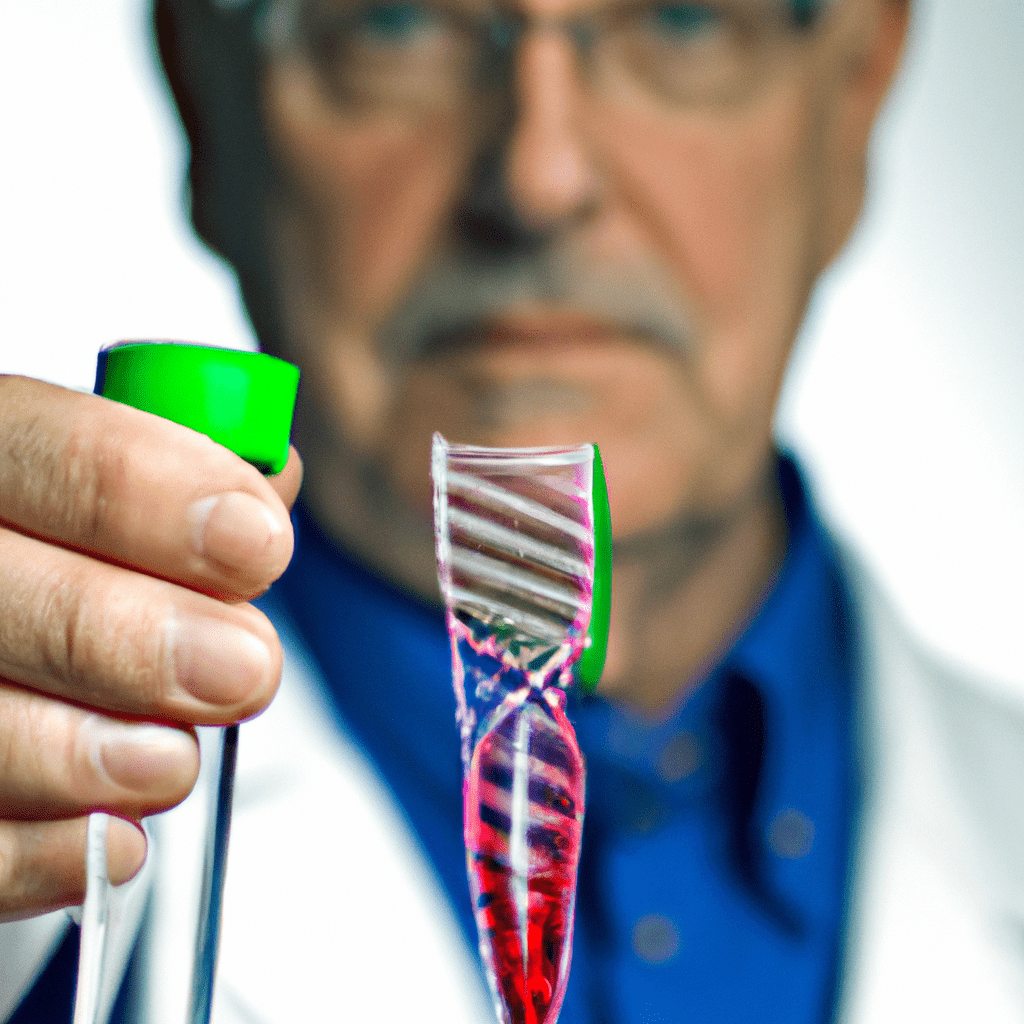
x=131, y=488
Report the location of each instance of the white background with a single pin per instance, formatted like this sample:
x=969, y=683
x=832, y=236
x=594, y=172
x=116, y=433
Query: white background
x=906, y=395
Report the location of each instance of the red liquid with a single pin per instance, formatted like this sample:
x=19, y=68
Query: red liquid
x=523, y=823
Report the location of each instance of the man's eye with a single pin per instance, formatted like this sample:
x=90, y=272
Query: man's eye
x=685, y=22
x=395, y=23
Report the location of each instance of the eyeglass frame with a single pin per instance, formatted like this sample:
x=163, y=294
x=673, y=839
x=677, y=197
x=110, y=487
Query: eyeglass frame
x=279, y=28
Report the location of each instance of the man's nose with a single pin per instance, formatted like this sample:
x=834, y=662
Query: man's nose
x=549, y=167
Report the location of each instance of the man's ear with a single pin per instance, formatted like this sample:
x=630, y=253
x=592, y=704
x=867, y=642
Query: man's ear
x=870, y=62
x=210, y=58
x=874, y=66
x=206, y=66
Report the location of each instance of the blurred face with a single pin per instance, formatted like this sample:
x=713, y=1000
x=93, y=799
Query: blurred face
x=546, y=244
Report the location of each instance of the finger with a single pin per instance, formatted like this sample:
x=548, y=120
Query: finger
x=58, y=760
x=132, y=488
x=116, y=640
x=289, y=480
x=42, y=864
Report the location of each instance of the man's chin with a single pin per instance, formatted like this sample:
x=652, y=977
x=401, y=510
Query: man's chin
x=531, y=411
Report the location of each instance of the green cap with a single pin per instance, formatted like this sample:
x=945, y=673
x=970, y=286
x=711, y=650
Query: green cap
x=591, y=663
x=242, y=400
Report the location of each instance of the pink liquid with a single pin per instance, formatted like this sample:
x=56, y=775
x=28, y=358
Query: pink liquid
x=523, y=803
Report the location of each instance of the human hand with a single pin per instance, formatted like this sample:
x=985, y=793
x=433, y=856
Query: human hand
x=129, y=548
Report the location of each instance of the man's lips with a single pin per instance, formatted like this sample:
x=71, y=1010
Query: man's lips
x=549, y=331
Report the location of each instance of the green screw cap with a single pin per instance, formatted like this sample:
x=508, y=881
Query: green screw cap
x=591, y=663
x=242, y=400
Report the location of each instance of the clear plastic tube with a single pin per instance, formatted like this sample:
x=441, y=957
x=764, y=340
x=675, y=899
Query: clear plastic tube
x=95, y=919
x=102, y=916
x=515, y=547
x=211, y=893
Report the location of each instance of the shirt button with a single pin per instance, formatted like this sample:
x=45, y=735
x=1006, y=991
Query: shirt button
x=791, y=834
x=655, y=939
x=679, y=758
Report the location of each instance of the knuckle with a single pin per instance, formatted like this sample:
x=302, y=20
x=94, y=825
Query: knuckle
x=8, y=866
x=61, y=479
x=36, y=760
x=23, y=880
x=60, y=624
x=40, y=866
x=98, y=635
x=8, y=756
x=91, y=476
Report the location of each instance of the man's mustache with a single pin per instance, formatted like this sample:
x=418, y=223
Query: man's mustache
x=459, y=294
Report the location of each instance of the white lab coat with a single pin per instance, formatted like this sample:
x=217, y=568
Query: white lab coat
x=326, y=890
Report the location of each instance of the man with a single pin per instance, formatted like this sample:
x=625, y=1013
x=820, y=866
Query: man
x=550, y=223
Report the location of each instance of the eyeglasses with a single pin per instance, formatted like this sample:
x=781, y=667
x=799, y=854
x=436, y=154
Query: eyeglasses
x=436, y=55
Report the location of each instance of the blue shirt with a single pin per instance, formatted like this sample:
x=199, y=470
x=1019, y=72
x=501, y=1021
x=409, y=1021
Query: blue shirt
x=716, y=844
